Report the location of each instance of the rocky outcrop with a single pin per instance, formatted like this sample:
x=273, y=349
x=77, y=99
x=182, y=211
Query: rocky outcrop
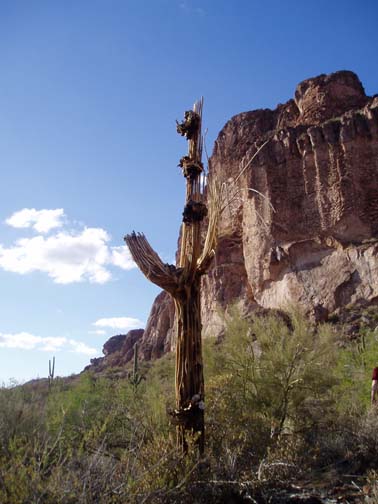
x=303, y=227
x=301, y=221
x=159, y=328
x=313, y=239
x=118, y=350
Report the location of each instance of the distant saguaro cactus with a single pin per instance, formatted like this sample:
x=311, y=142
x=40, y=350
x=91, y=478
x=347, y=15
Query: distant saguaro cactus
x=134, y=377
x=51, y=371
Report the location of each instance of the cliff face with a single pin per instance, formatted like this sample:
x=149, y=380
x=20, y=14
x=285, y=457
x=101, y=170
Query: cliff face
x=312, y=239
x=118, y=350
x=301, y=226
x=159, y=333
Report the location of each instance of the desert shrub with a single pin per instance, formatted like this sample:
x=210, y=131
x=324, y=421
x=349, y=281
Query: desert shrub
x=279, y=402
x=80, y=411
x=22, y=413
x=273, y=375
x=273, y=393
x=355, y=364
x=158, y=394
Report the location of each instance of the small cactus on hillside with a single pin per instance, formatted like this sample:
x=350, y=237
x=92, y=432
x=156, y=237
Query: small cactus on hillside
x=134, y=377
x=51, y=371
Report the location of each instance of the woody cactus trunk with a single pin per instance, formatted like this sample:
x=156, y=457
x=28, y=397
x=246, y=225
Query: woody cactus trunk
x=183, y=281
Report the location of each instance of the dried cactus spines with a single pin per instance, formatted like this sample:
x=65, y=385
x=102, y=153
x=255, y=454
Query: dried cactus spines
x=189, y=126
x=191, y=169
x=183, y=281
x=194, y=211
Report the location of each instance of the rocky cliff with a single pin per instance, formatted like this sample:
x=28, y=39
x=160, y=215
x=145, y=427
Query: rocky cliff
x=118, y=350
x=301, y=226
x=313, y=240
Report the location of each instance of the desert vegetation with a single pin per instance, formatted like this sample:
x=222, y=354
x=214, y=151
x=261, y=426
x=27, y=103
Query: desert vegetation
x=286, y=403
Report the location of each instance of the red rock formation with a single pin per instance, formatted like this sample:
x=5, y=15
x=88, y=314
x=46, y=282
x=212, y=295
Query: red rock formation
x=118, y=350
x=159, y=328
x=312, y=240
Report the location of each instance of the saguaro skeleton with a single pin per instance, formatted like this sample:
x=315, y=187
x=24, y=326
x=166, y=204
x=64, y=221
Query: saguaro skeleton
x=183, y=281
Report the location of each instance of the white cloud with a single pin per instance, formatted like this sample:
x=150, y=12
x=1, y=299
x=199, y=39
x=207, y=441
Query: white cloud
x=68, y=256
x=27, y=341
x=124, y=323
x=98, y=332
x=51, y=344
x=82, y=348
x=186, y=6
x=121, y=257
x=40, y=220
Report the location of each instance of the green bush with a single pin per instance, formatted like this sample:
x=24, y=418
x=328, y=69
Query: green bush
x=276, y=370
x=355, y=364
x=282, y=398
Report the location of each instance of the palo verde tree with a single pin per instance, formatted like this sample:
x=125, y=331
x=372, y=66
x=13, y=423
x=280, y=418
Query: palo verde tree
x=183, y=281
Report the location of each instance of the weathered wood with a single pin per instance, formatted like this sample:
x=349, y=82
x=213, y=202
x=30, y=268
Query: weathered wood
x=183, y=282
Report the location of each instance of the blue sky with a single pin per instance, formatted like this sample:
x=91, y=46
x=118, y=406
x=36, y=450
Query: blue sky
x=89, y=94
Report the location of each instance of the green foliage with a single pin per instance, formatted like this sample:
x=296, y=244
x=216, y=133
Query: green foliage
x=282, y=397
x=355, y=365
x=22, y=413
x=274, y=369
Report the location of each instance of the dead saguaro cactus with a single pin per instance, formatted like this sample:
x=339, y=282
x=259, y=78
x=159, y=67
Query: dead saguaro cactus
x=183, y=280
